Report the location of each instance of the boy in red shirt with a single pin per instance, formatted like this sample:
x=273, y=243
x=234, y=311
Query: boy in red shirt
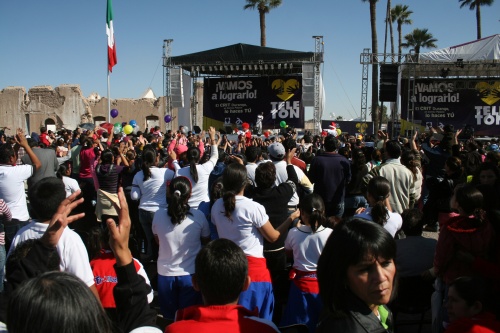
x=221, y=274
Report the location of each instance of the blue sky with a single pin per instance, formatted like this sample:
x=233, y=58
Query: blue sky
x=64, y=41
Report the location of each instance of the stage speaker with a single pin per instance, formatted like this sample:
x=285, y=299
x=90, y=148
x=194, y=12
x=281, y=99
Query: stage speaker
x=176, y=89
x=388, y=86
x=308, y=84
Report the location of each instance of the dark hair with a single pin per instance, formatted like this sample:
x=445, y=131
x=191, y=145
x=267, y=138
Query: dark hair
x=107, y=156
x=313, y=205
x=289, y=144
x=350, y=243
x=393, y=149
x=412, y=222
x=252, y=153
x=454, y=164
x=148, y=160
x=6, y=152
x=234, y=179
x=471, y=289
x=265, y=175
x=409, y=160
x=216, y=192
x=45, y=196
x=221, y=268
x=331, y=143
x=470, y=199
x=379, y=188
x=63, y=168
x=489, y=166
x=43, y=129
x=55, y=302
x=179, y=192
x=193, y=157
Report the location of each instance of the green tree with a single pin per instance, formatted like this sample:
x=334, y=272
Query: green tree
x=419, y=38
x=373, y=27
x=476, y=5
x=401, y=15
x=263, y=6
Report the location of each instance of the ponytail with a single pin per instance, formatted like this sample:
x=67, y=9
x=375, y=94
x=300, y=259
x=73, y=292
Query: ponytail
x=148, y=160
x=61, y=171
x=193, y=157
x=313, y=205
x=380, y=213
x=179, y=192
x=379, y=189
x=317, y=219
x=229, y=203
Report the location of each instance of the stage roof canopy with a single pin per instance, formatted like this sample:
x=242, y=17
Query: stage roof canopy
x=478, y=58
x=244, y=59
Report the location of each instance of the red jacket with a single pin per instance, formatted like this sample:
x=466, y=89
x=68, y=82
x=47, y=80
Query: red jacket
x=482, y=323
x=219, y=318
x=461, y=233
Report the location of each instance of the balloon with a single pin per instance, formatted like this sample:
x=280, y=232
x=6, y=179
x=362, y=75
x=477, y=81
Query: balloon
x=167, y=118
x=136, y=129
x=128, y=129
x=283, y=124
x=124, y=123
x=133, y=123
x=339, y=131
x=266, y=134
x=114, y=113
x=117, y=130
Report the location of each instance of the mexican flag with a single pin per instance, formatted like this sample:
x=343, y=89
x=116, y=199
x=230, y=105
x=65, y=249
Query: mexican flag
x=111, y=37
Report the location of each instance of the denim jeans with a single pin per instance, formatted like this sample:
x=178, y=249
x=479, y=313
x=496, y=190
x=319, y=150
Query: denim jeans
x=146, y=219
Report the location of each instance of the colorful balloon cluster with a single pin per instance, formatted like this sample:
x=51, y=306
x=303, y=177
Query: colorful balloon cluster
x=118, y=128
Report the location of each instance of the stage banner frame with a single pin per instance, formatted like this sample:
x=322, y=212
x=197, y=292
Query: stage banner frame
x=229, y=102
x=459, y=102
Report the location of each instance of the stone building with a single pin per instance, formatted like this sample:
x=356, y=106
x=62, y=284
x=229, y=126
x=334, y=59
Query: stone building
x=66, y=107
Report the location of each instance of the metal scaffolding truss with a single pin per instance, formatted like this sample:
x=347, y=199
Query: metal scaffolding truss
x=318, y=59
x=364, y=83
x=167, y=65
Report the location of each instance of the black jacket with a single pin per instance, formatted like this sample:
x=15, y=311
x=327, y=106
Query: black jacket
x=359, y=319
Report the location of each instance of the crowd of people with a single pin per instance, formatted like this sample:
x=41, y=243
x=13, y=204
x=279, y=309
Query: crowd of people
x=249, y=234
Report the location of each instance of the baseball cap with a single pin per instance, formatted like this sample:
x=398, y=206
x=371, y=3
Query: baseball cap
x=276, y=151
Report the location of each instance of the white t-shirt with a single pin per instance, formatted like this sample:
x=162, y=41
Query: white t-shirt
x=12, y=189
x=70, y=185
x=242, y=228
x=179, y=243
x=71, y=250
x=282, y=176
x=152, y=192
x=200, y=191
x=306, y=246
x=251, y=167
x=393, y=224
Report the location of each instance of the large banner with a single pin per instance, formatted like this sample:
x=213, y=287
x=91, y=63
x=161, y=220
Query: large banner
x=459, y=102
x=233, y=101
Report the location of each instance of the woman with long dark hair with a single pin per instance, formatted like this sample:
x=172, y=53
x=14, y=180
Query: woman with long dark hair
x=148, y=186
x=380, y=212
x=198, y=174
x=246, y=223
x=180, y=232
x=356, y=284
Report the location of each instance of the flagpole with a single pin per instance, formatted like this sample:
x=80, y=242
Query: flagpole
x=109, y=103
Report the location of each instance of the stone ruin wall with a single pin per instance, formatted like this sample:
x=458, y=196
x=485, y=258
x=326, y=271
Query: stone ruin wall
x=67, y=107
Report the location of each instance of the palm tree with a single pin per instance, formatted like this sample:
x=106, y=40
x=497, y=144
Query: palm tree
x=373, y=26
x=476, y=4
x=263, y=6
x=401, y=15
x=419, y=38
